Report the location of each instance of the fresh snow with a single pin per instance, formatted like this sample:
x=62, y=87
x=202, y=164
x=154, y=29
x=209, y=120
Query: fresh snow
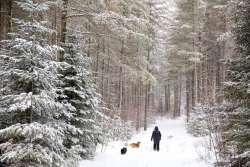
x=180, y=150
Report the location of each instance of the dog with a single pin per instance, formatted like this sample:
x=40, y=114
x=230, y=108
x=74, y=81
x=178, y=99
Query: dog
x=123, y=150
x=135, y=145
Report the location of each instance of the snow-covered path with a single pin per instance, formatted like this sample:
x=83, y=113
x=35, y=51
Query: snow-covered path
x=182, y=150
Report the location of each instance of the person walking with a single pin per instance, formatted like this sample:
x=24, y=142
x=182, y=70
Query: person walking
x=156, y=137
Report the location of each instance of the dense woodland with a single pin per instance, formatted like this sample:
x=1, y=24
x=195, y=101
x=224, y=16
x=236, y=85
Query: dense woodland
x=77, y=73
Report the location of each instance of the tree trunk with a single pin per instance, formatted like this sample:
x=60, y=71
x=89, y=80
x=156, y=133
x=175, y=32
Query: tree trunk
x=108, y=78
x=147, y=90
x=193, y=88
x=121, y=83
x=140, y=101
x=97, y=62
x=120, y=91
x=102, y=80
x=5, y=18
x=187, y=96
x=179, y=96
x=166, y=99
x=63, y=27
x=137, y=103
x=146, y=108
x=199, y=82
x=176, y=93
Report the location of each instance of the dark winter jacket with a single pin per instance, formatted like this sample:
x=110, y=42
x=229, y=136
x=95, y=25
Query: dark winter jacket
x=156, y=135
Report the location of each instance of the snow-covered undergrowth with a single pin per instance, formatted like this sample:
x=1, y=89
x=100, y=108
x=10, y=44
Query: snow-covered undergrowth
x=177, y=149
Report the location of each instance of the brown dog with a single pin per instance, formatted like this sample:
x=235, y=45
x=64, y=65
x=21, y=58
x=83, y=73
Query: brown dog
x=135, y=145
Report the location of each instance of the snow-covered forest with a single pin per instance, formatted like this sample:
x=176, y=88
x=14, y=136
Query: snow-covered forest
x=81, y=79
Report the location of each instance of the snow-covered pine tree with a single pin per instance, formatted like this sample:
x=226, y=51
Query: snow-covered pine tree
x=30, y=135
x=77, y=93
x=198, y=124
x=236, y=134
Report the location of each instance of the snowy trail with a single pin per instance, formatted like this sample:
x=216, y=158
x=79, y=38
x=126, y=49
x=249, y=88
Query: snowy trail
x=182, y=150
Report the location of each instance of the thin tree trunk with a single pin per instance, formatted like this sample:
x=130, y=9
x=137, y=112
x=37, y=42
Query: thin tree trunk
x=140, y=101
x=137, y=105
x=204, y=82
x=187, y=96
x=193, y=90
x=103, y=70
x=108, y=77
x=166, y=99
x=102, y=80
x=89, y=40
x=147, y=94
x=179, y=96
x=120, y=90
x=149, y=100
x=9, y=28
x=121, y=81
x=97, y=62
x=176, y=93
x=199, y=82
x=145, y=108
x=63, y=27
x=124, y=93
x=54, y=25
x=5, y=18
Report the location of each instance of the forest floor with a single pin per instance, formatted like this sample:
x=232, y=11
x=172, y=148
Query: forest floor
x=180, y=150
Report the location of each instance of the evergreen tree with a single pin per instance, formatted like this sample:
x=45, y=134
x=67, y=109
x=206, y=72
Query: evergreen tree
x=32, y=134
x=236, y=135
x=78, y=95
